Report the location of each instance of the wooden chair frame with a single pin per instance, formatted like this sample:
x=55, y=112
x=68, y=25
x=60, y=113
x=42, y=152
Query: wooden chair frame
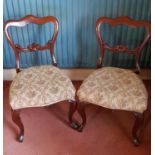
x=30, y=48
x=120, y=48
x=123, y=20
x=33, y=47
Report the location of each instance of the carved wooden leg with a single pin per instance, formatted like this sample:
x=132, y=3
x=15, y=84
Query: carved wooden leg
x=73, y=107
x=81, y=110
x=137, y=127
x=16, y=119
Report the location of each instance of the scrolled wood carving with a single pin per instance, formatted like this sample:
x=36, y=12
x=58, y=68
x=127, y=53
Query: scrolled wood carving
x=34, y=46
x=120, y=48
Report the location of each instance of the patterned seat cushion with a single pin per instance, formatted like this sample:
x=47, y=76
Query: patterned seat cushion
x=40, y=86
x=114, y=88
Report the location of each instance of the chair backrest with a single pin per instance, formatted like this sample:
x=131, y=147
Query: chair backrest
x=34, y=46
x=121, y=48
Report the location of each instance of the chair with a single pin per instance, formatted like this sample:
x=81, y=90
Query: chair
x=37, y=86
x=116, y=88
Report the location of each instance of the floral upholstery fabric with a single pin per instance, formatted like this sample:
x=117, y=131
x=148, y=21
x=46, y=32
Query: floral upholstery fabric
x=40, y=86
x=114, y=88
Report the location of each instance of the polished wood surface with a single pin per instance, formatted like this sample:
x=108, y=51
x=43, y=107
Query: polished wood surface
x=139, y=122
x=33, y=47
x=123, y=20
x=106, y=132
x=17, y=120
x=30, y=48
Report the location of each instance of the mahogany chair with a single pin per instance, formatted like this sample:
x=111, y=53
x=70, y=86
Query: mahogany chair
x=116, y=88
x=38, y=86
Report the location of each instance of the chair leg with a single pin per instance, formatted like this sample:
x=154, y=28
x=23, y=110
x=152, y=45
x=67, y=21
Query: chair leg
x=81, y=111
x=73, y=107
x=16, y=119
x=137, y=127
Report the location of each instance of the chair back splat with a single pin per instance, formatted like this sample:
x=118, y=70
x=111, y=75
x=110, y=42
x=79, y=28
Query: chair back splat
x=121, y=48
x=34, y=46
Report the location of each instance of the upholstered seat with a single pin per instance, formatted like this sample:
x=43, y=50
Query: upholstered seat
x=40, y=86
x=114, y=88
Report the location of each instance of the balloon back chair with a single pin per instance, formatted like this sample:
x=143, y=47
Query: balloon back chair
x=116, y=88
x=37, y=86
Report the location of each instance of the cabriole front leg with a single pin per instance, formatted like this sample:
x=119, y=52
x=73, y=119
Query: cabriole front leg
x=16, y=119
x=81, y=111
x=72, y=109
x=137, y=127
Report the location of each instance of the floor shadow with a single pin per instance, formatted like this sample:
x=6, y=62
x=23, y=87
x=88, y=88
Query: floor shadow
x=126, y=131
x=58, y=112
x=11, y=126
x=93, y=115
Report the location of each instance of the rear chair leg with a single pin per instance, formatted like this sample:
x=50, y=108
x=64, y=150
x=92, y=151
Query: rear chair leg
x=81, y=111
x=137, y=128
x=73, y=107
x=16, y=119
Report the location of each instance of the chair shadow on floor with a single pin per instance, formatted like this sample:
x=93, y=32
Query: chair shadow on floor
x=58, y=111
x=121, y=125
x=10, y=126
